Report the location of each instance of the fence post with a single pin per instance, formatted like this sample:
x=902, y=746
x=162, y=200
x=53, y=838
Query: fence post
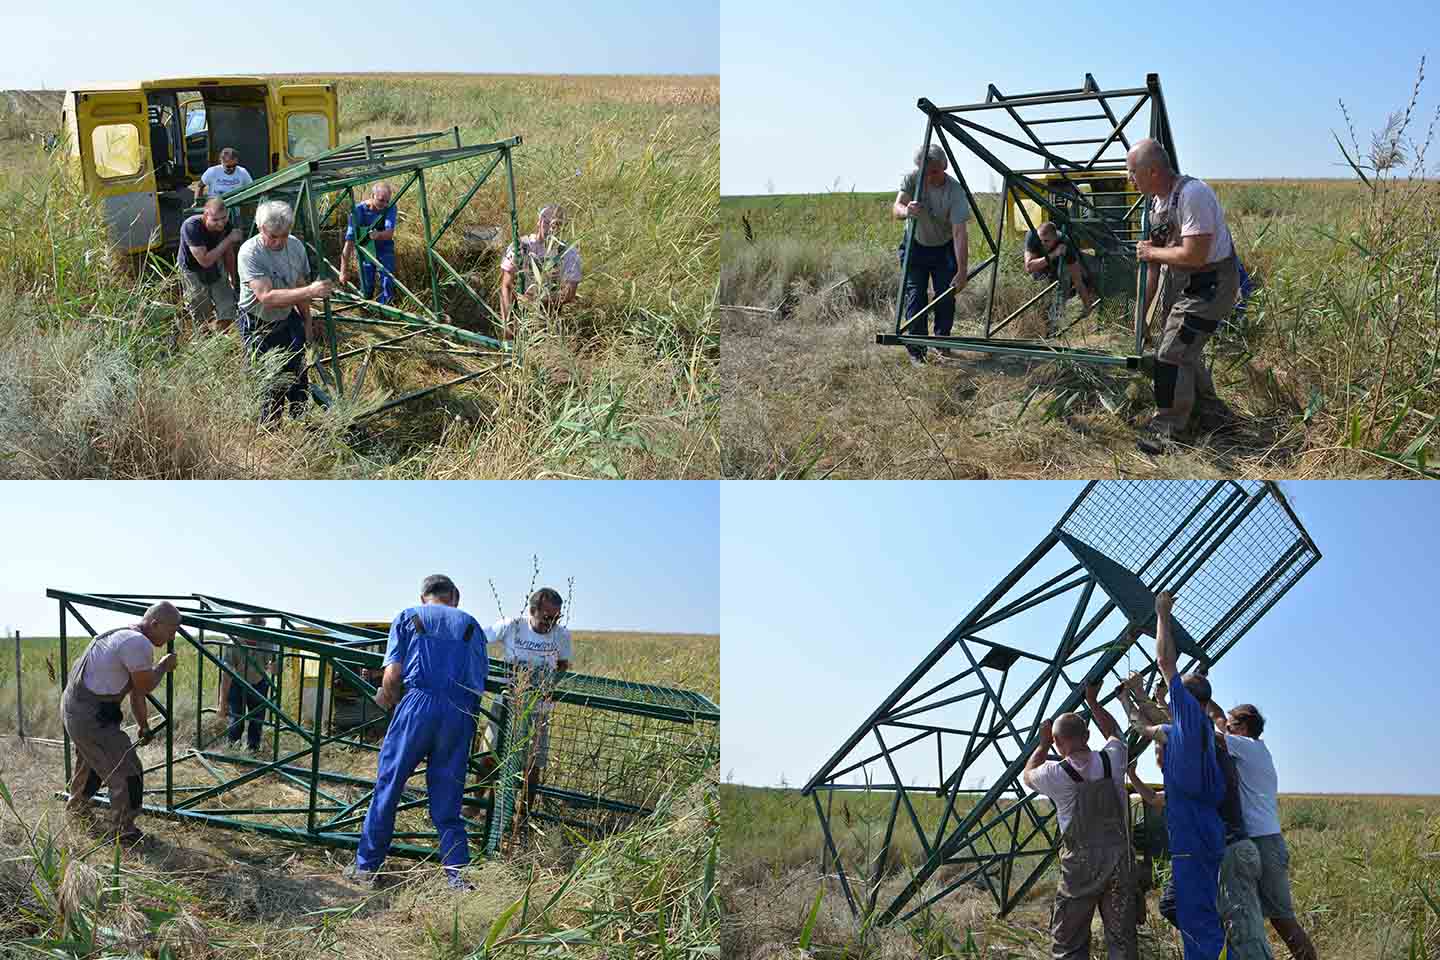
x=19, y=702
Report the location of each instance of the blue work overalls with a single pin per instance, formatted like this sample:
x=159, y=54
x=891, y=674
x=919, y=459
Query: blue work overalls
x=442, y=651
x=1194, y=789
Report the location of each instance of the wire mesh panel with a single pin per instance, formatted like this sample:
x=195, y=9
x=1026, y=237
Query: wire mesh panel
x=926, y=795
x=602, y=750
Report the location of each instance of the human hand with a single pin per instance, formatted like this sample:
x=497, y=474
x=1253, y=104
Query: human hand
x=1047, y=733
x=1144, y=250
x=1092, y=691
x=321, y=289
x=912, y=209
x=165, y=664
x=1164, y=602
x=235, y=236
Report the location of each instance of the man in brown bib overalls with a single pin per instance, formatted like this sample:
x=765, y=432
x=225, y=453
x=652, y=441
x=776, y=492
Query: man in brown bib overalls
x=118, y=663
x=1198, y=277
x=1096, y=862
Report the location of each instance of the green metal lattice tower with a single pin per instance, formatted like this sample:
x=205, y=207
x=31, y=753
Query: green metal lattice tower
x=612, y=742
x=1109, y=226
x=325, y=185
x=1227, y=550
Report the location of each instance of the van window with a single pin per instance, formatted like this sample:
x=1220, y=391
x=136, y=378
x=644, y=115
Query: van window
x=306, y=134
x=117, y=150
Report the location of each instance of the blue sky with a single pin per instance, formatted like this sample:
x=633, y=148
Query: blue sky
x=817, y=96
x=59, y=44
x=833, y=593
x=643, y=554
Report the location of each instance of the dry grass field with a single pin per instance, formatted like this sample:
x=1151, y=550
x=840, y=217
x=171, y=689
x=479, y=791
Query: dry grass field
x=1362, y=868
x=1334, y=371
x=624, y=387
x=194, y=891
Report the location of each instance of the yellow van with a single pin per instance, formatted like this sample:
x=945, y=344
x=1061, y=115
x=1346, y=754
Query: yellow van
x=141, y=146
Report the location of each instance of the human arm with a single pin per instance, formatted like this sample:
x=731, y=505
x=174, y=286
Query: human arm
x=1152, y=284
x=904, y=207
x=208, y=258
x=141, y=708
x=1216, y=714
x=1041, y=754
x=1165, y=654
x=1192, y=253
x=346, y=252
x=389, y=217
x=1146, y=792
x=1103, y=720
x=1138, y=722
x=507, y=294
x=961, y=236
x=392, y=687
x=272, y=298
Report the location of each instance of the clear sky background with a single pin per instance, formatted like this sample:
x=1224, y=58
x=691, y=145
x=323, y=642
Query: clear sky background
x=833, y=593
x=643, y=554
x=56, y=45
x=817, y=96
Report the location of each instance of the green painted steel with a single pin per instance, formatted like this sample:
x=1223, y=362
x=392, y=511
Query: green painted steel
x=1227, y=550
x=607, y=736
x=1111, y=230
x=328, y=181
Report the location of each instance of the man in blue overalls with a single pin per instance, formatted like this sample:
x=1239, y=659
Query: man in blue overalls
x=1194, y=790
x=372, y=226
x=435, y=669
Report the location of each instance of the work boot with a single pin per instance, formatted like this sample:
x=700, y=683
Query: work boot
x=358, y=874
x=917, y=359
x=458, y=883
x=1213, y=418
x=132, y=837
x=1155, y=440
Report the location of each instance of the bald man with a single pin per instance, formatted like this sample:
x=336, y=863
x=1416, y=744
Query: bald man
x=1193, y=265
x=117, y=663
x=373, y=219
x=1088, y=790
x=206, y=259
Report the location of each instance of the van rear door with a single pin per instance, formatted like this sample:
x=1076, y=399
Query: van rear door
x=113, y=137
x=305, y=121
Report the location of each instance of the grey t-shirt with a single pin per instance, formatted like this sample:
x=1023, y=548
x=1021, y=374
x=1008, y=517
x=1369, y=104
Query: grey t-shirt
x=940, y=209
x=284, y=269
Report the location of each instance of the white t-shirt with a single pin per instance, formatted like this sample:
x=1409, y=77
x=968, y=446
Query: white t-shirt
x=113, y=657
x=1199, y=214
x=218, y=182
x=1259, y=785
x=1051, y=781
x=524, y=645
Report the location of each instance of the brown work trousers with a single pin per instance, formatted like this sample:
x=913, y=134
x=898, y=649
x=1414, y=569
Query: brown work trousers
x=1194, y=304
x=103, y=752
x=1095, y=871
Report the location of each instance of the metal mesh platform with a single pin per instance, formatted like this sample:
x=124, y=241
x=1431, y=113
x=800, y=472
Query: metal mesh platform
x=946, y=748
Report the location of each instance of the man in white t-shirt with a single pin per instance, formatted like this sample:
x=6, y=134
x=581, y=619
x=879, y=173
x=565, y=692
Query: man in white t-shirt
x=1088, y=790
x=225, y=177
x=537, y=648
x=117, y=664
x=1191, y=252
x=1259, y=805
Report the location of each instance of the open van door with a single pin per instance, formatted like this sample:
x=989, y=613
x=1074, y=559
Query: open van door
x=113, y=141
x=304, y=123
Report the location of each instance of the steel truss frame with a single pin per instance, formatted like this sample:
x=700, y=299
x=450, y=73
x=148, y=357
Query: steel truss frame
x=1228, y=551
x=303, y=752
x=319, y=188
x=1110, y=238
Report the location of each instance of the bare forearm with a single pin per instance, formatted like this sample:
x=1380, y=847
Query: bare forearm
x=1152, y=283
x=286, y=297
x=1103, y=719
x=141, y=708
x=900, y=210
x=1186, y=258
x=1164, y=645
